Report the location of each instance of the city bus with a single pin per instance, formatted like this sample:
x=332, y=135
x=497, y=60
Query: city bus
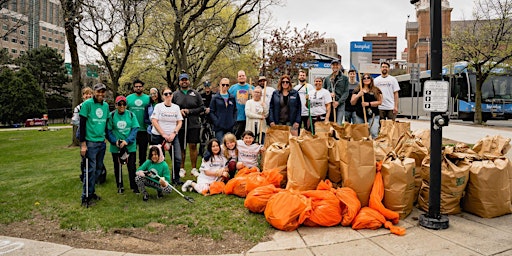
x=496, y=93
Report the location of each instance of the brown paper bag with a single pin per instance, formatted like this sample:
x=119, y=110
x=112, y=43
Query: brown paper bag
x=322, y=128
x=307, y=164
x=488, y=191
x=359, y=157
x=392, y=130
x=454, y=178
x=399, y=188
x=357, y=131
x=492, y=146
x=423, y=136
x=276, y=157
x=382, y=147
x=335, y=165
x=277, y=133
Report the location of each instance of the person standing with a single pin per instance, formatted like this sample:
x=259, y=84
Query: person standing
x=241, y=92
x=352, y=84
x=285, y=106
x=266, y=93
x=207, y=97
x=122, y=127
x=87, y=93
x=223, y=111
x=191, y=105
x=154, y=98
x=367, y=100
x=256, y=112
x=304, y=88
x=93, y=122
x=167, y=121
x=337, y=84
x=136, y=103
x=389, y=88
x=320, y=101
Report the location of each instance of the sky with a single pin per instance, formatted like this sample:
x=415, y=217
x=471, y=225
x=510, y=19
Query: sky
x=350, y=20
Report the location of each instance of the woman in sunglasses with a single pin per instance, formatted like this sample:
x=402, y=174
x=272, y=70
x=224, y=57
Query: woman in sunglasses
x=367, y=98
x=285, y=106
x=122, y=128
x=223, y=111
x=167, y=120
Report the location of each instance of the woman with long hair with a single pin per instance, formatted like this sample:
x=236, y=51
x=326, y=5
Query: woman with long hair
x=285, y=106
x=366, y=98
x=154, y=98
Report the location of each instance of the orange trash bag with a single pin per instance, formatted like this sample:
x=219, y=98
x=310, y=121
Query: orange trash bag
x=371, y=219
x=217, y=187
x=274, y=176
x=287, y=209
x=325, y=209
x=377, y=195
x=236, y=186
x=254, y=180
x=325, y=185
x=246, y=170
x=256, y=200
x=350, y=204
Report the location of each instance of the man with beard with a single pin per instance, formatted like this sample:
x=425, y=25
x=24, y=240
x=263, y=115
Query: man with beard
x=337, y=84
x=191, y=106
x=389, y=87
x=241, y=91
x=136, y=103
x=304, y=88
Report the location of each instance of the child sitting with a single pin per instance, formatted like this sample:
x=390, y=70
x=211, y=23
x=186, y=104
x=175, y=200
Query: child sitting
x=212, y=168
x=230, y=152
x=248, y=151
x=153, y=173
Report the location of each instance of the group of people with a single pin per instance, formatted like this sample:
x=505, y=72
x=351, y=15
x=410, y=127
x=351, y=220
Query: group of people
x=239, y=115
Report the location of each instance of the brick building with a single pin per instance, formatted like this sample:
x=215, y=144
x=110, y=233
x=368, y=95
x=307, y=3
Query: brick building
x=384, y=46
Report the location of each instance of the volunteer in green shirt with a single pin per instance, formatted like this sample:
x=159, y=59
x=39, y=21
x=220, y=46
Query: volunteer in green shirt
x=93, y=122
x=136, y=103
x=122, y=127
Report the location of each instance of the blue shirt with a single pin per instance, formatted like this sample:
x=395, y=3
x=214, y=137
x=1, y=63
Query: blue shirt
x=241, y=93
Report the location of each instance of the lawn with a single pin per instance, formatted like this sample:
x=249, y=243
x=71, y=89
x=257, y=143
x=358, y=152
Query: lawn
x=40, y=175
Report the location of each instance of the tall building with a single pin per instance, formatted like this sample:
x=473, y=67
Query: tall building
x=328, y=47
x=29, y=24
x=384, y=47
x=417, y=33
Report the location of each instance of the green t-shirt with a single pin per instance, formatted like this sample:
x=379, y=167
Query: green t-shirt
x=137, y=105
x=161, y=168
x=96, y=114
x=121, y=126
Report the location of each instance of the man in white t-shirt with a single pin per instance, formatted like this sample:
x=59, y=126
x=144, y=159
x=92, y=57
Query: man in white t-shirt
x=389, y=87
x=304, y=88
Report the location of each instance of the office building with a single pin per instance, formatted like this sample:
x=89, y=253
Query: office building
x=384, y=47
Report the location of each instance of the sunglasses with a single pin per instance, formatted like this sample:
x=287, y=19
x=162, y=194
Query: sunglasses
x=365, y=78
x=285, y=82
x=153, y=93
x=225, y=85
x=167, y=93
x=121, y=104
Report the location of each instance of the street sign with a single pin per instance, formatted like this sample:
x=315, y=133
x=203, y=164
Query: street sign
x=68, y=68
x=435, y=96
x=91, y=70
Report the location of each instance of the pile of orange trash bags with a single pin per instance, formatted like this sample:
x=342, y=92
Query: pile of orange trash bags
x=325, y=206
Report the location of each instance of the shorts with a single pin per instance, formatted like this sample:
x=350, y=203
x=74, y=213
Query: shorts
x=192, y=136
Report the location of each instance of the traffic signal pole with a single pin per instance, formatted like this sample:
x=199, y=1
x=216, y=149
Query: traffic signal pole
x=434, y=219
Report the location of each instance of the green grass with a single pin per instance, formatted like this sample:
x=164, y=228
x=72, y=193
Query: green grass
x=40, y=176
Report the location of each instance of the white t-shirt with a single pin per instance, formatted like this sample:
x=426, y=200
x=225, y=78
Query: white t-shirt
x=302, y=94
x=318, y=99
x=268, y=94
x=248, y=154
x=167, y=117
x=213, y=164
x=388, y=85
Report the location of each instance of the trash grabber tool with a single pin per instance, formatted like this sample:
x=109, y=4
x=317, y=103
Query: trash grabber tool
x=334, y=95
x=86, y=181
x=362, y=98
x=189, y=199
x=263, y=104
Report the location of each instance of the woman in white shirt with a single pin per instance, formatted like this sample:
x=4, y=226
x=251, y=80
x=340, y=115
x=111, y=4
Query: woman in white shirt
x=320, y=103
x=255, y=113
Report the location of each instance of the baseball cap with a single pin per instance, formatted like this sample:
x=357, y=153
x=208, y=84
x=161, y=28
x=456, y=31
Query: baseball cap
x=120, y=98
x=206, y=84
x=335, y=61
x=262, y=78
x=183, y=76
x=100, y=86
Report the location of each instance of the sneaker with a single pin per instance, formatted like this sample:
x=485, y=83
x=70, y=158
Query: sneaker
x=194, y=172
x=145, y=197
x=95, y=197
x=183, y=172
x=186, y=185
x=159, y=194
x=136, y=191
x=86, y=202
x=120, y=190
x=177, y=182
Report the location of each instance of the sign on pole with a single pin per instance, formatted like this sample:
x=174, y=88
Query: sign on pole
x=435, y=96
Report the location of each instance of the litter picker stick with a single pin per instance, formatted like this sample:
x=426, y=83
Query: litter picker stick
x=333, y=97
x=263, y=103
x=362, y=97
x=185, y=137
x=189, y=199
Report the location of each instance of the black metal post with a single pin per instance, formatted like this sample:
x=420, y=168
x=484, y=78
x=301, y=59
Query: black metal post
x=433, y=219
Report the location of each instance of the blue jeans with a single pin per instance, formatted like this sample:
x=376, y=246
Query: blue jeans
x=374, y=122
x=350, y=117
x=157, y=140
x=340, y=114
x=220, y=135
x=95, y=155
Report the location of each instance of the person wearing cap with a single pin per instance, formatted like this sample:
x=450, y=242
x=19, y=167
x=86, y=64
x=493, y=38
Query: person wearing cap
x=304, y=88
x=93, y=122
x=137, y=102
x=337, y=84
x=122, y=127
x=206, y=96
x=241, y=91
x=191, y=105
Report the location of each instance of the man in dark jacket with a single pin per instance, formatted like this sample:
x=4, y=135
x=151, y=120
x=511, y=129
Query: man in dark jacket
x=191, y=105
x=337, y=84
x=223, y=110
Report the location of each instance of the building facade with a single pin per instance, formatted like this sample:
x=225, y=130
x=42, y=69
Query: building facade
x=328, y=47
x=29, y=24
x=384, y=47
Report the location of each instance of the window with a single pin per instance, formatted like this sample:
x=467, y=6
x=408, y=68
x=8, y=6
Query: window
x=56, y=41
x=22, y=42
x=50, y=39
x=22, y=52
x=14, y=40
x=22, y=32
x=4, y=26
x=14, y=50
x=43, y=28
x=5, y=38
x=43, y=37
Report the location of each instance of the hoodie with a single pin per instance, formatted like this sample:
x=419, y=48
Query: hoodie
x=161, y=167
